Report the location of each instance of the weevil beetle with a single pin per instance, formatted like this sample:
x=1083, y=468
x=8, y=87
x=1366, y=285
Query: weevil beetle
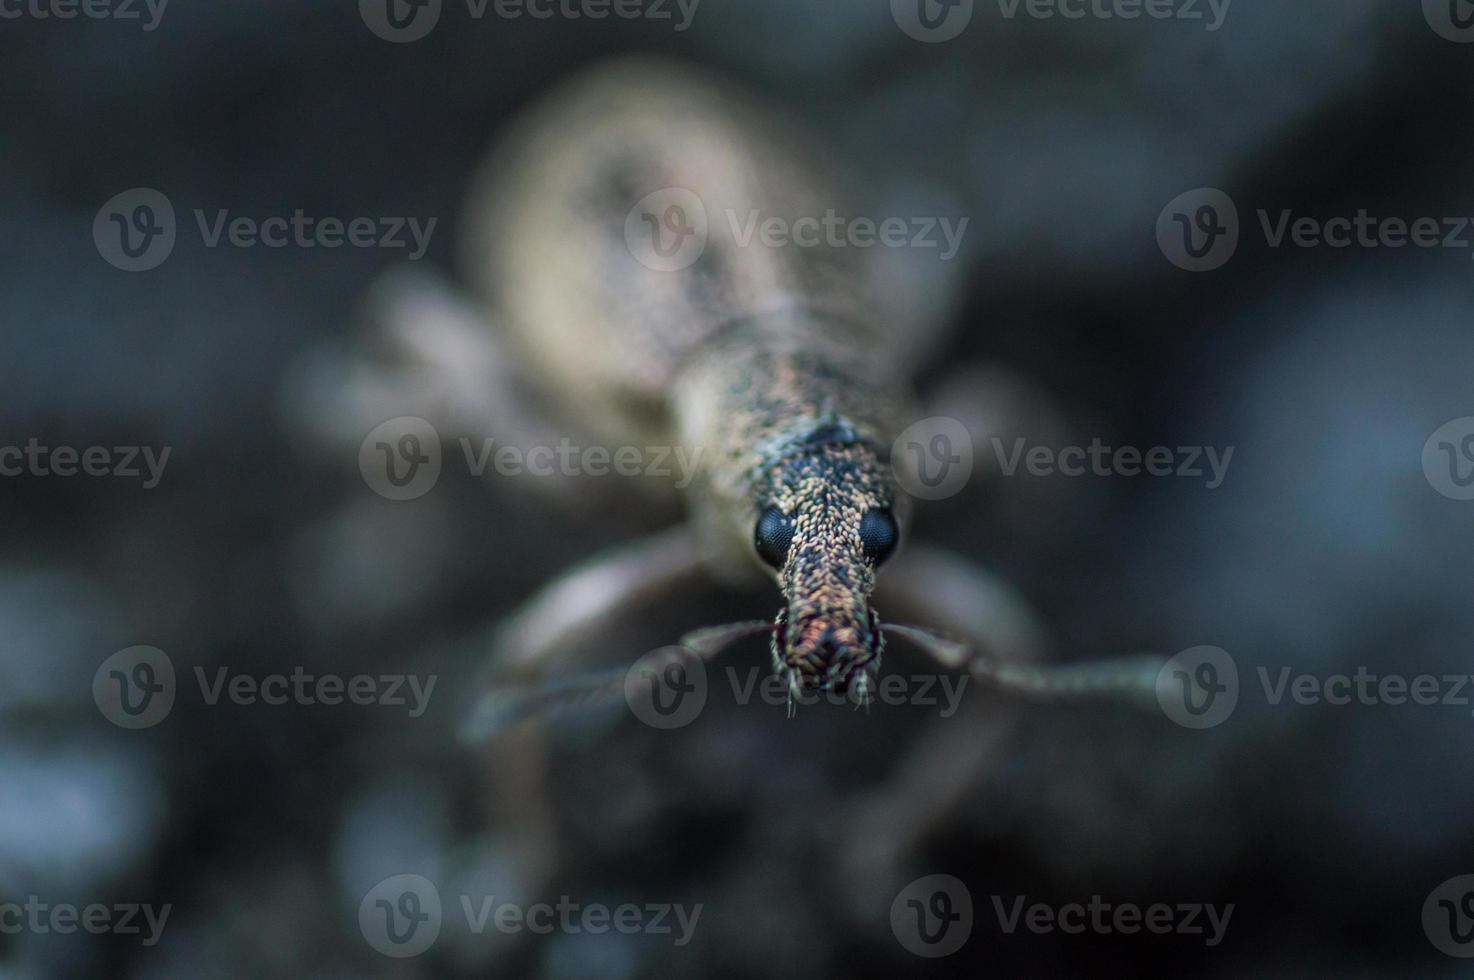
x=606, y=237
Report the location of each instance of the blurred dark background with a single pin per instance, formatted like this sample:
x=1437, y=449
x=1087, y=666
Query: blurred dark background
x=261, y=550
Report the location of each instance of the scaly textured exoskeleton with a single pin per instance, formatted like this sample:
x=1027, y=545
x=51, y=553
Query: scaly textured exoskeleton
x=783, y=370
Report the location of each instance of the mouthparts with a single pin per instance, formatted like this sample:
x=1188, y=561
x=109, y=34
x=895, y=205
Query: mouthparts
x=827, y=657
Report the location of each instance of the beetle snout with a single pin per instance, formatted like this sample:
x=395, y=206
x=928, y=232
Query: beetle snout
x=829, y=652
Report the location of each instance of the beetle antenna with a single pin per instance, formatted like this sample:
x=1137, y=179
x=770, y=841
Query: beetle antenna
x=510, y=699
x=1131, y=679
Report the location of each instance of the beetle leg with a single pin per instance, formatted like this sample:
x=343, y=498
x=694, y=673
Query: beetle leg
x=569, y=615
x=429, y=351
x=1001, y=646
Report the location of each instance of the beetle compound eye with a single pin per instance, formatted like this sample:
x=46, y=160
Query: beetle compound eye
x=878, y=535
x=773, y=535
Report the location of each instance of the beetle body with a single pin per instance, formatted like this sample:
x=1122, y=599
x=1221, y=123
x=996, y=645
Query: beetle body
x=766, y=360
